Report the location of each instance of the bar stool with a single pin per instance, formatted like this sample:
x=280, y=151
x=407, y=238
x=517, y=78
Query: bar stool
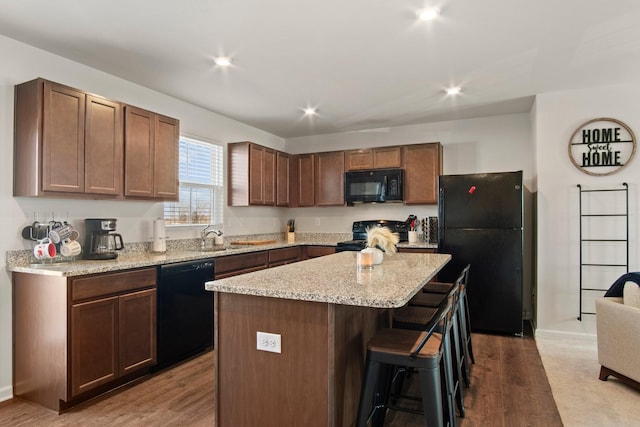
x=423, y=351
x=430, y=299
x=414, y=317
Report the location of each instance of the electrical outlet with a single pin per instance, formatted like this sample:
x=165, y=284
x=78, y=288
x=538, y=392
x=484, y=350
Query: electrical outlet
x=317, y=221
x=268, y=342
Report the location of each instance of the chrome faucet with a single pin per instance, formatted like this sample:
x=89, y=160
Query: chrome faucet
x=205, y=232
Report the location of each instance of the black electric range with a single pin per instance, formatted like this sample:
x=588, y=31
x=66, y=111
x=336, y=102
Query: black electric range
x=359, y=230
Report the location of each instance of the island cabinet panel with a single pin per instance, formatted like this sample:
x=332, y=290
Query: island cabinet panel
x=314, y=381
x=329, y=179
x=422, y=167
x=232, y=265
x=374, y=158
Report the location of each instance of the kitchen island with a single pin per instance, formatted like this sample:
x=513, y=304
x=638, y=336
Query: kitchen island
x=322, y=312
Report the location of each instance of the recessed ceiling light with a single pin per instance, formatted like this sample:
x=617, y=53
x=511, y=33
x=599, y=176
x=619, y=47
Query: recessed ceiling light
x=223, y=61
x=454, y=90
x=310, y=111
x=428, y=14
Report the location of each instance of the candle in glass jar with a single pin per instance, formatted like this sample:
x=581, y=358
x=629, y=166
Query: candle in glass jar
x=365, y=260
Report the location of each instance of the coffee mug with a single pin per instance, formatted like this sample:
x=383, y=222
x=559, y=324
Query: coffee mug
x=44, y=249
x=62, y=233
x=70, y=248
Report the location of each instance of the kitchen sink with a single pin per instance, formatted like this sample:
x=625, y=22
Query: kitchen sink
x=212, y=249
x=49, y=264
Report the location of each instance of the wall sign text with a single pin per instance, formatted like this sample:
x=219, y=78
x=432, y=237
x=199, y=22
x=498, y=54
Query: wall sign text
x=602, y=146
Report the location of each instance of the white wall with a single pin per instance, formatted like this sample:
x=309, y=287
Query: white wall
x=22, y=63
x=557, y=116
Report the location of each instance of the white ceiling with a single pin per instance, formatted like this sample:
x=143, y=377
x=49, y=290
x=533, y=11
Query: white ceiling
x=365, y=64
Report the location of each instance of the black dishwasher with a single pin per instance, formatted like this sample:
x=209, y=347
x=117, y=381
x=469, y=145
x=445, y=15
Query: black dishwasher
x=185, y=311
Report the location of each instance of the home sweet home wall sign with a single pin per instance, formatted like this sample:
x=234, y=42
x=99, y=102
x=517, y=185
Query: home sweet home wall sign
x=602, y=146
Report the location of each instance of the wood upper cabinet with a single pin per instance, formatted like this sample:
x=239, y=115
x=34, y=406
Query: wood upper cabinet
x=422, y=167
x=305, y=180
x=374, y=158
x=330, y=178
x=283, y=170
x=103, y=156
x=68, y=142
x=151, y=150
x=165, y=158
x=269, y=177
x=65, y=141
x=251, y=174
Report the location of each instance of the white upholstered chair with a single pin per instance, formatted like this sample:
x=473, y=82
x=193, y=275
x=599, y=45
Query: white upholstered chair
x=618, y=328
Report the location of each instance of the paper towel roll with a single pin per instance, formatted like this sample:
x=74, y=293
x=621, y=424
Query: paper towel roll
x=159, y=237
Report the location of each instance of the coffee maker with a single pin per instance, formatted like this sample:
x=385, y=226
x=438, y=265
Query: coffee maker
x=100, y=240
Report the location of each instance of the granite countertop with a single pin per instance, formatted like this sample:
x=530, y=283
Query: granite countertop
x=137, y=260
x=336, y=279
x=126, y=261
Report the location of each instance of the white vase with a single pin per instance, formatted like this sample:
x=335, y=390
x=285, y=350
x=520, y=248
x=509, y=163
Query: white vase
x=378, y=255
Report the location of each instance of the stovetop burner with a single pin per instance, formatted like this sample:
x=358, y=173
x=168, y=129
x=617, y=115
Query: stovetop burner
x=359, y=230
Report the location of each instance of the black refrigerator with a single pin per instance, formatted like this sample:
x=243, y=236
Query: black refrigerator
x=481, y=222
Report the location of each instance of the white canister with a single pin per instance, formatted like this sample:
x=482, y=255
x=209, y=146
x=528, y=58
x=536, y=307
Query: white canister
x=159, y=237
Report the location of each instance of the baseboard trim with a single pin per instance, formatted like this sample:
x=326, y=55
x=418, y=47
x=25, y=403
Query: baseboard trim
x=546, y=333
x=6, y=393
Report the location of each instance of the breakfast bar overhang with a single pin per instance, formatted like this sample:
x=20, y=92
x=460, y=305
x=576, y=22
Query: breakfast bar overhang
x=324, y=311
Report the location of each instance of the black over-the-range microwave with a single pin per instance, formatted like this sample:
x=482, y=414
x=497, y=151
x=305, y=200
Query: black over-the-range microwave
x=373, y=186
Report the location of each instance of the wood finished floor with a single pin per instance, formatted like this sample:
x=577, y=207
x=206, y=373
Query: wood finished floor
x=508, y=388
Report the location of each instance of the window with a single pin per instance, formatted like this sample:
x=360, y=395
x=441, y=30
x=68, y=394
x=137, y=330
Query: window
x=201, y=190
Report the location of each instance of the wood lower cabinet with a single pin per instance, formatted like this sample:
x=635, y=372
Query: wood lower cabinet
x=151, y=155
x=232, y=265
x=94, y=344
x=112, y=337
x=317, y=251
x=329, y=179
x=78, y=337
x=422, y=167
x=284, y=256
x=417, y=250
